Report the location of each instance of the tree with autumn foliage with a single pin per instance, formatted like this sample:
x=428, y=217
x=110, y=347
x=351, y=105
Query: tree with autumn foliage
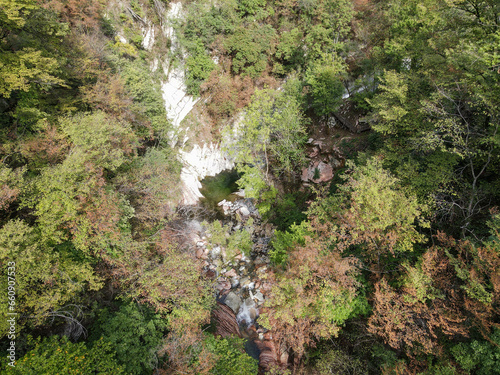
x=452, y=292
x=313, y=296
x=47, y=276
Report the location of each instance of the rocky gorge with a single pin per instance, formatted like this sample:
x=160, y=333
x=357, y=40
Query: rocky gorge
x=239, y=276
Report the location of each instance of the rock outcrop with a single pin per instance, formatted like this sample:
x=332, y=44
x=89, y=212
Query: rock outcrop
x=202, y=160
x=225, y=321
x=199, y=163
x=271, y=355
x=317, y=172
x=242, y=209
x=324, y=159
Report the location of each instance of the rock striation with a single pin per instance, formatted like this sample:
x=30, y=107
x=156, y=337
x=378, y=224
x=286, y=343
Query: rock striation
x=225, y=321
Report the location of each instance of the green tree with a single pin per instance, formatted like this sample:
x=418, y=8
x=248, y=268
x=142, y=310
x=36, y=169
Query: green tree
x=230, y=356
x=284, y=242
x=55, y=355
x=20, y=70
x=205, y=24
x=148, y=106
x=251, y=6
x=13, y=12
x=338, y=362
x=239, y=240
x=168, y=279
x=46, y=277
x=99, y=139
x=72, y=200
x=439, y=108
x=373, y=215
x=199, y=66
x=273, y=129
x=272, y=136
x=135, y=333
x=257, y=186
x=325, y=88
x=149, y=184
x=328, y=25
x=289, y=49
x=250, y=46
x=481, y=357
x=22, y=65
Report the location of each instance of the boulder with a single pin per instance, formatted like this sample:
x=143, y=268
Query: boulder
x=258, y=297
x=261, y=270
x=323, y=171
x=244, y=212
x=230, y=273
x=307, y=174
x=194, y=226
x=233, y=301
x=314, y=152
x=223, y=285
x=210, y=274
x=245, y=281
x=215, y=252
x=225, y=321
x=319, y=144
x=235, y=282
x=240, y=193
x=199, y=253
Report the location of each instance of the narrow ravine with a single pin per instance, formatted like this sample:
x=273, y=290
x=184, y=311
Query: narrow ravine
x=238, y=283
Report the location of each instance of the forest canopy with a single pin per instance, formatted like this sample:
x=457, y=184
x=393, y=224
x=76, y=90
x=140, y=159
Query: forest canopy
x=377, y=252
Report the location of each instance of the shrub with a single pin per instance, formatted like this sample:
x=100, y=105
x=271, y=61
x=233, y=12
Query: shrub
x=230, y=357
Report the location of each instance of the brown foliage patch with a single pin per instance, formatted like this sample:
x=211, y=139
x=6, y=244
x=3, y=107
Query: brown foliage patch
x=295, y=311
x=49, y=147
x=456, y=270
x=81, y=14
x=227, y=93
x=7, y=195
x=110, y=95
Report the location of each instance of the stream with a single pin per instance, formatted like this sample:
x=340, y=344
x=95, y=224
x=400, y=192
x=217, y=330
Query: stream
x=208, y=179
x=239, y=280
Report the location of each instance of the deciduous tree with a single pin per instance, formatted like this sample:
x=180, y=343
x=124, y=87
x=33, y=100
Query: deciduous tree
x=46, y=277
x=312, y=297
x=55, y=355
x=371, y=215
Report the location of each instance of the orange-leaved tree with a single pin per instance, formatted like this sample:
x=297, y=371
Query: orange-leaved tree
x=452, y=290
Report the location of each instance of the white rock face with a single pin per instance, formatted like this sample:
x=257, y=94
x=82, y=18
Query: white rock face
x=173, y=13
x=148, y=36
x=199, y=163
x=177, y=102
